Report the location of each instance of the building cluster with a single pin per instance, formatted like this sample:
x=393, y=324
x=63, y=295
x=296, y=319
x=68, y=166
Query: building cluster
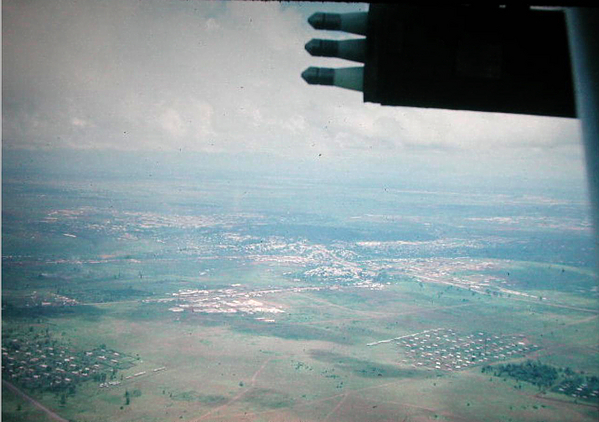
x=464, y=273
x=109, y=384
x=39, y=363
x=128, y=377
x=538, y=222
x=414, y=248
x=444, y=271
x=587, y=389
x=238, y=300
x=225, y=301
x=342, y=272
x=59, y=300
x=36, y=298
x=447, y=350
x=220, y=305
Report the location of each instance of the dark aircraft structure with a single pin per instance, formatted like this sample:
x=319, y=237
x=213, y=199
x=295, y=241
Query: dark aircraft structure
x=540, y=60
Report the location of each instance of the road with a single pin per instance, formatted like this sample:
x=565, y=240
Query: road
x=51, y=414
x=239, y=395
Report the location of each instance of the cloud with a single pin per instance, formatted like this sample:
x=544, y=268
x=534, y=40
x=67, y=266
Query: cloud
x=216, y=77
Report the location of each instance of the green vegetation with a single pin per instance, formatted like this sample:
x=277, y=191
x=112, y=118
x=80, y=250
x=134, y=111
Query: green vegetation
x=120, y=286
x=360, y=367
x=563, y=380
x=194, y=396
x=536, y=373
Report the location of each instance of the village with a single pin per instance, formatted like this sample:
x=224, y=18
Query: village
x=44, y=299
x=444, y=349
x=579, y=387
x=39, y=362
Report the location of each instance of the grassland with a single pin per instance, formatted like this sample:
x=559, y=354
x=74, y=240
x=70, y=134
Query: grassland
x=318, y=367
x=92, y=277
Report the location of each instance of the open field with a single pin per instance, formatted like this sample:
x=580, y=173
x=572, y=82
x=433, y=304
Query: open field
x=229, y=366
x=144, y=312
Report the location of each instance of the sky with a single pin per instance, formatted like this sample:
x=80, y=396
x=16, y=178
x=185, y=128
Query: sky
x=224, y=77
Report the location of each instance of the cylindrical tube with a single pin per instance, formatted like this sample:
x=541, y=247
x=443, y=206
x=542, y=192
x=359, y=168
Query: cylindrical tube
x=354, y=23
x=354, y=50
x=346, y=77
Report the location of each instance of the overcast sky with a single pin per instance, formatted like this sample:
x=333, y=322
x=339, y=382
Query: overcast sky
x=222, y=77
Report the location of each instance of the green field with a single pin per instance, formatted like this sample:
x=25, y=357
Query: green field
x=199, y=315
x=313, y=363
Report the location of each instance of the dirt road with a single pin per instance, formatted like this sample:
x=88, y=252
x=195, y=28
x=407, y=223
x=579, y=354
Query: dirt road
x=50, y=413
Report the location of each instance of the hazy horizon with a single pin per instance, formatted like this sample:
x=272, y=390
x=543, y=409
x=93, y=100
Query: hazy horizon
x=191, y=232
x=218, y=78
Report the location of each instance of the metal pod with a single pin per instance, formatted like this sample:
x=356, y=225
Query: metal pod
x=354, y=23
x=345, y=77
x=354, y=50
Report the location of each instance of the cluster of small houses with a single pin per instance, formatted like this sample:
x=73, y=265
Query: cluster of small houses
x=218, y=305
x=446, y=350
x=221, y=301
x=59, y=300
x=343, y=270
x=48, y=299
x=128, y=377
x=584, y=390
x=227, y=301
x=444, y=271
x=47, y=365
x=224, y=301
